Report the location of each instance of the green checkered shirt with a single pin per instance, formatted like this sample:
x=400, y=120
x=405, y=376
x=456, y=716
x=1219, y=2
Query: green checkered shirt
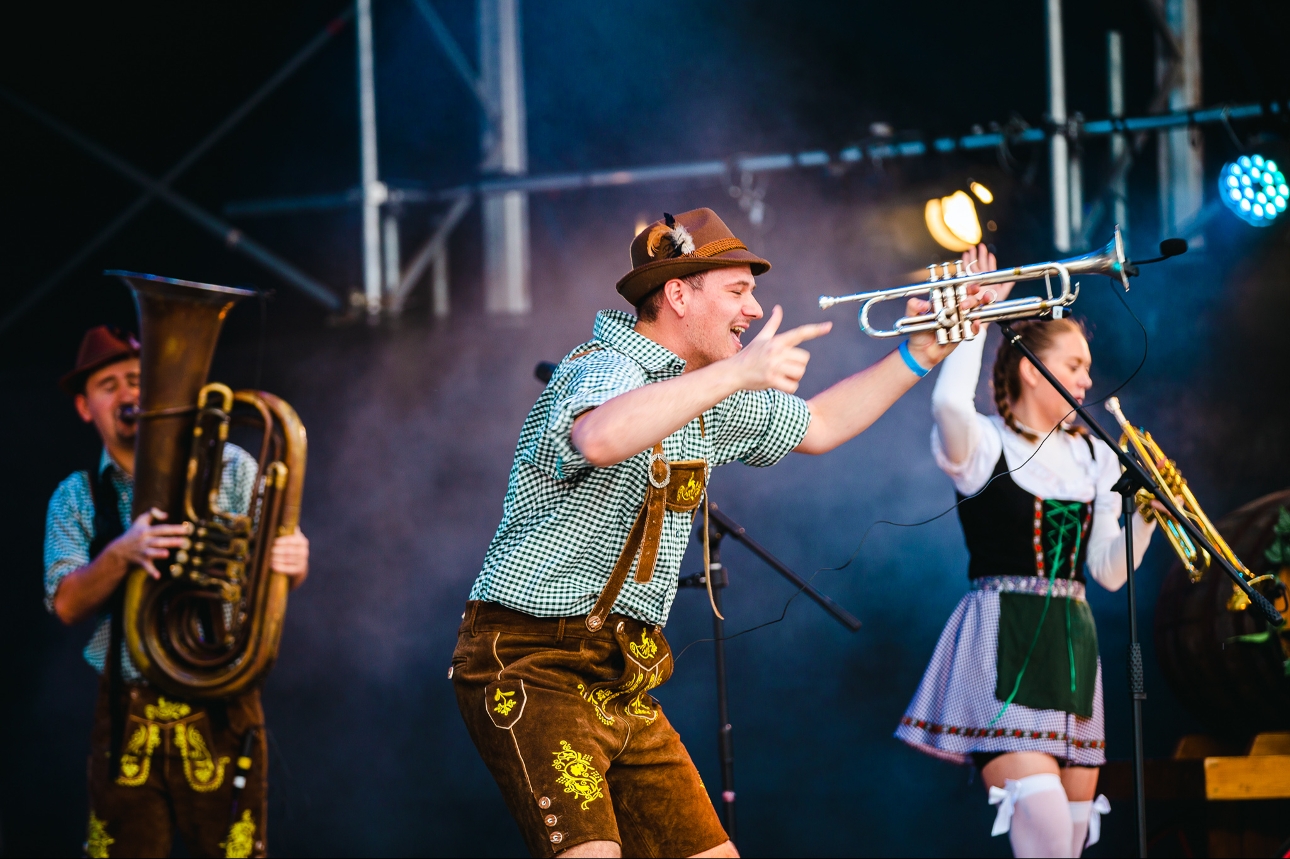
x=69, y=530
x=564, y=522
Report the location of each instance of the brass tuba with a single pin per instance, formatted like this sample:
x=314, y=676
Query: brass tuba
x=210, y=627
x=1195, y=560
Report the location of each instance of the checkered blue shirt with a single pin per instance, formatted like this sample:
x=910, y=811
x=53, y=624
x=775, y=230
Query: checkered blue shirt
x=564, y=521
x=69, y=530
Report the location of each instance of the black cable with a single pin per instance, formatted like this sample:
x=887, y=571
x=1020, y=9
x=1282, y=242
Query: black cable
x=784, y=614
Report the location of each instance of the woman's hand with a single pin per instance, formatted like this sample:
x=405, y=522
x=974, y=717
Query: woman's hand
x=979, y=260
x=923, y=345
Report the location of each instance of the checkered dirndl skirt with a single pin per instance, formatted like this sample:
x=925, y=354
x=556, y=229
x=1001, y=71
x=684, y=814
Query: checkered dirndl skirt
x=950, y=716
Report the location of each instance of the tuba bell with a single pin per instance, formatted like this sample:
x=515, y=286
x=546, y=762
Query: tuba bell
x=210, y=627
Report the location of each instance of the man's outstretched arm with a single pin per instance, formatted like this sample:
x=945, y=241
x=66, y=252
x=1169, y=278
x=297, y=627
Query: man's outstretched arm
x=843, y=411
x=629, y=423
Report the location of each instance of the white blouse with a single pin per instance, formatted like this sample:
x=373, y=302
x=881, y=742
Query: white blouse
x=1060, y=466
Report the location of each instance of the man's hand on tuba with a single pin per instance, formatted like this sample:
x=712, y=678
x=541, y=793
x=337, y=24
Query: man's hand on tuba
x=290, y=556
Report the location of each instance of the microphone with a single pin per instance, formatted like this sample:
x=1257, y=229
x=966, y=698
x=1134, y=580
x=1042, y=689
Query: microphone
x=1168, y=248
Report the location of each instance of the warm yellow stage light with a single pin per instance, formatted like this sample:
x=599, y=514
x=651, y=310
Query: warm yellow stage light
x=982, y=193
x=960, y=217
x=934, y=215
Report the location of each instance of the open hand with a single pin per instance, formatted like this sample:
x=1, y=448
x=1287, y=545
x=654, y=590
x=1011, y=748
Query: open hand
x=775, y=360
x=145, y=542
x=980, y=260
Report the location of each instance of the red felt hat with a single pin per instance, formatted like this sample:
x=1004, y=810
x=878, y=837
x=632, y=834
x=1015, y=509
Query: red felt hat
x=101, y=345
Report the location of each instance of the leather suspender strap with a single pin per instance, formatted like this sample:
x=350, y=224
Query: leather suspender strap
x=672, y=486
x=107, y=527
x=655, y=496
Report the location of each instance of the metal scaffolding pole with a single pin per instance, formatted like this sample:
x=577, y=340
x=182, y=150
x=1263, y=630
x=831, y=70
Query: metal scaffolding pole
x=1181, y=150
x=1058, y=154
x=232, y=237
x=374, y=192
x=1115, y=104
x=170, y=176
x=505, y=152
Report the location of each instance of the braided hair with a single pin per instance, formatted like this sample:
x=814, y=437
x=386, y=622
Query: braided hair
x=1039, y=335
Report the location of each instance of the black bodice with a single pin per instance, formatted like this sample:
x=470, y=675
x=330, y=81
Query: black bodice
x=1010, y=532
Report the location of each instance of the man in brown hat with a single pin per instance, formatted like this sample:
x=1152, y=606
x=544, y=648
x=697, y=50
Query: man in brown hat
x=178, y=766
x=562, y=639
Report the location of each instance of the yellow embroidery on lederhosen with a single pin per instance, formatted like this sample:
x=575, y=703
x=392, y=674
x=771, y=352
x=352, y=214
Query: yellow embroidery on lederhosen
x=640, y=704
x=505, y=702
x=689, y=491
x=643, y=704
x=166, y=711
x=97, y=841
x=241, y=837
x=136, y=758
x=647, y=649
x=204, y=772
x=577, y=775
x=601, y=698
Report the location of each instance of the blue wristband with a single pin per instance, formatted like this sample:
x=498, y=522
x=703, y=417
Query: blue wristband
x=914, y=367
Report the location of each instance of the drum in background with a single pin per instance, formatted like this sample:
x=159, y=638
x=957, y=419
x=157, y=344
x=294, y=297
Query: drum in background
x=1234, y=687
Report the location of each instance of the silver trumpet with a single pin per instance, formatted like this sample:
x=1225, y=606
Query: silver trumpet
x=947, y=286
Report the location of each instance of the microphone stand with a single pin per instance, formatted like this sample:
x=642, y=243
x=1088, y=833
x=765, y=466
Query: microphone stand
x=720, y=526
x=1136, y=477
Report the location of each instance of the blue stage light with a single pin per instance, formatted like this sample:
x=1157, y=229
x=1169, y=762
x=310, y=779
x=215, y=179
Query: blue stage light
x=1254, y=188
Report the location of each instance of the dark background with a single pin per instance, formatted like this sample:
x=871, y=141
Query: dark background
x=412, y=425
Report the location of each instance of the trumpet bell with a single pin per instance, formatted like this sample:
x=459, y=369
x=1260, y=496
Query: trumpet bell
x=1137, y=442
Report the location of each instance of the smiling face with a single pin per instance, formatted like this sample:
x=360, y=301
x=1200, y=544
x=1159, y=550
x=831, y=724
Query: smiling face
x=705, y=323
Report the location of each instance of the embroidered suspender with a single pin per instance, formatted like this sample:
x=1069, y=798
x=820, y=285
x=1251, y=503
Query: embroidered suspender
x=678, y=486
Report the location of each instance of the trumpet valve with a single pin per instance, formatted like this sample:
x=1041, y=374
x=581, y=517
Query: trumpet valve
x=937, y=296
x=931, y=274
x=958, y=268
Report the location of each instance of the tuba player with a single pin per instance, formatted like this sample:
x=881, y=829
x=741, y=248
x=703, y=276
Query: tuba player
x=158, y=767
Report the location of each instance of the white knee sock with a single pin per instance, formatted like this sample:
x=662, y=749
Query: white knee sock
x=1086, y=823
x=1079, y=826
x=1036, y=815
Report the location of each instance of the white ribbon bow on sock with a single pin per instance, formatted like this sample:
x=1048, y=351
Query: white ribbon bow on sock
x=1014, y=790
x=1005, y=798
x=1100, y=806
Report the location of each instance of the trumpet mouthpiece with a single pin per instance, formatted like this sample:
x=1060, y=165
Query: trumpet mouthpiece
x=825, y=302
x=1113, y=405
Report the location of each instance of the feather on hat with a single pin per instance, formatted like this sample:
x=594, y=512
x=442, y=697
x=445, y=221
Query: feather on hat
x=681, y=245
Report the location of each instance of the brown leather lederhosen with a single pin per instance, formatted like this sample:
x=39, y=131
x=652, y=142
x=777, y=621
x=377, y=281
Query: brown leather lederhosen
x=563, y=716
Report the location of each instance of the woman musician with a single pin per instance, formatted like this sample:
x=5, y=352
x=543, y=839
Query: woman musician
x=1015, y=684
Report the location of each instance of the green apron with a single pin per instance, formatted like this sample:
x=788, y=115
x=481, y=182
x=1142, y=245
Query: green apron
x=1048, y=644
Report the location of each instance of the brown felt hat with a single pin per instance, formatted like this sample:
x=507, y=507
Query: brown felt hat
x=100, y=346
x=682, y=245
